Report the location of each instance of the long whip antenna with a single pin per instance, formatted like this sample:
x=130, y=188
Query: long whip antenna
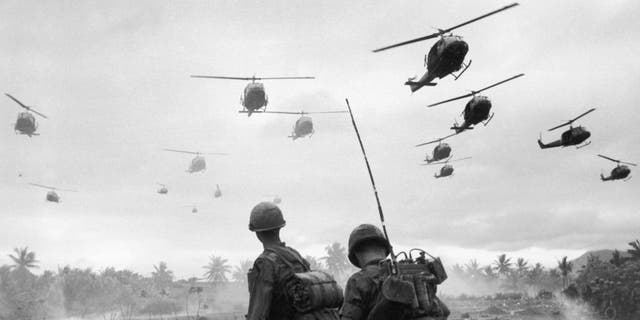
x=373, y=183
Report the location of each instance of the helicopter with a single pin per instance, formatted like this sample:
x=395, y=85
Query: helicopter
x=198, y=163
x=446, y=56
x=26, y=122
x=163, y=189
x=304, y=125
x=52, y=196
x=276, y=198
x=621, y=171
x=447, y=169
x=253, y=98
x=194, y=208
x=218, y=192
x=441, y=151
x=477, y=109
x=571, y=137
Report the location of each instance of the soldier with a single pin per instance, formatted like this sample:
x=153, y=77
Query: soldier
x=367, y=248
x=268, y=300
x=363, y=298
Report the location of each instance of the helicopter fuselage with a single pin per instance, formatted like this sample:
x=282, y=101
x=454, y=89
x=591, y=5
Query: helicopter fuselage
x=302, y=128
x=163, y=190
x=445, y=171
x=197, y=164
x=52, y=196
x=618, y=173
x=475, y=111
x=571, y=137
x=254, y=97
x=440, y=152
x=446, y=56
x=26, y=124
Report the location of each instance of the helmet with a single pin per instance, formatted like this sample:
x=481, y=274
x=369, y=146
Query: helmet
x=265, y=216
x=362, y=233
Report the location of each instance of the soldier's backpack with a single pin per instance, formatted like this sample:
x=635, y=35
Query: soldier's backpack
x=315, y=295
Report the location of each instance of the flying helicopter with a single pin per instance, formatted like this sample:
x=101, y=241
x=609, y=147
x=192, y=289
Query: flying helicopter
x=477, y=109
x=163, y=189
x=441, y=151
x=198, y=163
x=446, y=55
x=194, y=208
x=304, y=125
x=447, y=169
x=52, y=196
x=621, y=171
x=571, y=137
x=254, y=96
x=218, y=192
x=276, y=198
x=26, y=122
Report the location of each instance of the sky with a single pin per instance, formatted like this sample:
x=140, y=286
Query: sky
x=113, y=78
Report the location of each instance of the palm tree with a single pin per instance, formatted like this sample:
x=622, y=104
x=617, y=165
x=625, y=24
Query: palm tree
x=473, y=268
x=616, y=258
x=336, y=258
x=161, y=275
x=565, y=268
x=635, y=250
x=488, y=272
x=522, y=266
x=503, y=264
x=24, y=259
x=240, y=272
x=535, y=274
x=314, y=264
x=217, y=269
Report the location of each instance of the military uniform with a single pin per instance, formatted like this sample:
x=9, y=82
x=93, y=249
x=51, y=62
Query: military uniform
x=267, y=280
x=362, y=290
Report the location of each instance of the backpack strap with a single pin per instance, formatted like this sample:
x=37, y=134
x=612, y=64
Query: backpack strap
x=284, y=254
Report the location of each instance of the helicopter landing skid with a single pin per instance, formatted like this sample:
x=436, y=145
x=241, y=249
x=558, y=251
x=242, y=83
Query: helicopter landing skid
x=485, y=123
x=627, y=179
x=584, y=145
x=466, y=66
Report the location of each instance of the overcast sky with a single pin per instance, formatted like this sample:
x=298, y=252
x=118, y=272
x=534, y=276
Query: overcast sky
x=113, y=77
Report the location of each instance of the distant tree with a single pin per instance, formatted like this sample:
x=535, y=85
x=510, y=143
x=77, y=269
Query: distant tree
x=503, y=264
x=336, y=259
x=217, y=270
x=488, y=272
x=616, y=258
x=534, y=275
x=565, y=268
x=162, y=276
x=458, y=270
x=473, y=269
x=240, y=272
x=522, y=266
x=24, y=259
x=635, y=250
x=314, y=264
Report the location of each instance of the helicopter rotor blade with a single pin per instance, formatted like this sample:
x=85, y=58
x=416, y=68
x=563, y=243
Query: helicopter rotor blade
x=181, y=151
x=25, y=106
x=436, y=140
x=584, y=114
x=574, y=119
x=476, y=92
x=441, y=32
x=249, y=78
x=452, y=99
x=42, y=186
x=320, y=112
x=629, y=163
x=455, y=160
x=610, y=159
x=499, y=83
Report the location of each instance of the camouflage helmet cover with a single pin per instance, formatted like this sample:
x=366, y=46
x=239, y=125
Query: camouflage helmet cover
x=362, y=233
x=266, y=216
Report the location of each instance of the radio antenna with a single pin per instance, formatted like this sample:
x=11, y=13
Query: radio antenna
x=373, y=184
